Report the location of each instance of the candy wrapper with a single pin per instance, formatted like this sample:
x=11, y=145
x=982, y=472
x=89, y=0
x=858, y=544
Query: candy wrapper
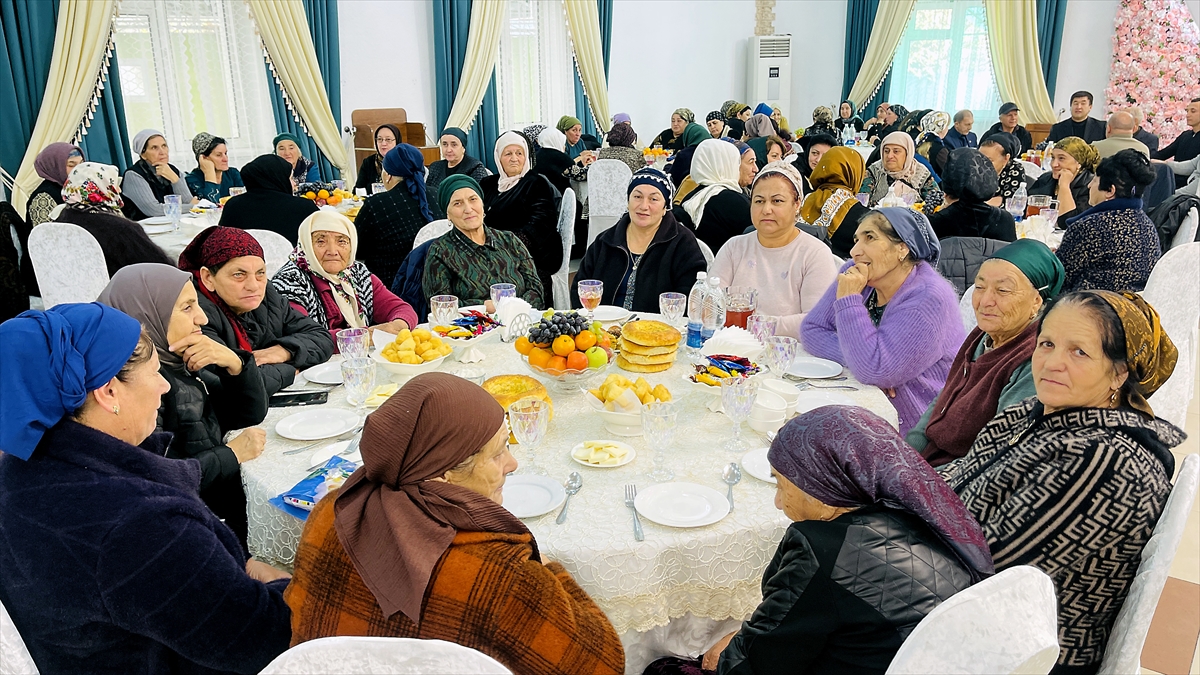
x=301, y=499
x=721, y=366
x=472, y=324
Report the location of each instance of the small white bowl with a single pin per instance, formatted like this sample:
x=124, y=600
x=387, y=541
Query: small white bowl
x=764, y=426
x=768, y=402
x=787, y=390
x=619, y=423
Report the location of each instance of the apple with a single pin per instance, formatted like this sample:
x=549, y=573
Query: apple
x=597, y=357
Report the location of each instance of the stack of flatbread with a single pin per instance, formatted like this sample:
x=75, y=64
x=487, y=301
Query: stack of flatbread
x=648, y=346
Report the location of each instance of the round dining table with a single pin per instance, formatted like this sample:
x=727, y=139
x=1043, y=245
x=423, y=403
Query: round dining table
x=673, y=592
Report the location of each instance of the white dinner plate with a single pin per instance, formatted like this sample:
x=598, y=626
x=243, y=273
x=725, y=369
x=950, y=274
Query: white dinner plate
x=812, y=367
x=157, y=225
x=329, y=372
x=313, y=425
x=608, y=313
x=755, y=463
x=630, y=453
x=328, y=452
x=528, y=496
x=811, y=400
x=681, y=504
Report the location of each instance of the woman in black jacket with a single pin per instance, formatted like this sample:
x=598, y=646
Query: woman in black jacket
x=268, y=203
x=214, y=389
x=646, y=253
x=969, y=182
x=371, y=170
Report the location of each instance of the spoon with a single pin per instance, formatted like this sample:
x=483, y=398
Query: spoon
x=574, y=482
x=731, y=475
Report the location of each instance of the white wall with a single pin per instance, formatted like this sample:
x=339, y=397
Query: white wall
x=818, y=29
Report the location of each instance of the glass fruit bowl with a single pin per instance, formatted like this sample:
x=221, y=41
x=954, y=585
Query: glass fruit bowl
x=567, y=380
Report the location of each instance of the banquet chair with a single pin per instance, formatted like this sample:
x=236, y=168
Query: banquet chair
x=1172, y=289
x=1004, y=624
x=1032, y=170
x=607, y=180
x=68, y=263
x=383, y=656
x=560, y=280
x=966, y=310
x=433, y=230
x=1186, y=233
x=14, y=656
x=276, y=249
x=1123, y=654
x=707, y=251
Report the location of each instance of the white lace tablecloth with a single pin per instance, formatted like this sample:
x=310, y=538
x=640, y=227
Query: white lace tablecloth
x=708, y=574
x=190, y=225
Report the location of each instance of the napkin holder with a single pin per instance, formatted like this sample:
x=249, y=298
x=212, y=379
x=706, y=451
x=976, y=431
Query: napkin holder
x=516, y=327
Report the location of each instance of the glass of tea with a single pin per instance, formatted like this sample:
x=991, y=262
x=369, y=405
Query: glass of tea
x=740, y=303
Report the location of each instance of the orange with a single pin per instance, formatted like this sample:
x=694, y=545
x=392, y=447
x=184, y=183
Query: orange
x=557, y=365
x=539, y=357
x=323, y=194
x=334, y=200
x=523, y=345
x=577, y=361
x=585, y=340
x=310, y=195
x=563, y=345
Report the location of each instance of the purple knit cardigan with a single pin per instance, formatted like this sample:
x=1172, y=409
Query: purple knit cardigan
x=912, y=348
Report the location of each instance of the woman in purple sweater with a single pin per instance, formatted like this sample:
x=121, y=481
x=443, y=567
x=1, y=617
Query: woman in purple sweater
x=907, y=349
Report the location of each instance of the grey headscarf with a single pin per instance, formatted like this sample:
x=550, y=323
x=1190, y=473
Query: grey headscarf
x=142, y=138
x=759, y=126
x=148, y=292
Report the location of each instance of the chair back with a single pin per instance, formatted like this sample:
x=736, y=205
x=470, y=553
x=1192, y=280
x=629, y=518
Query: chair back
x=560, y=280
x=14, y=656
x=433, y=230
x=276, y=249
x=68, y=262
x=1123, y=653
x=1004, y=624
x=1186, y=233
x=1032, y=170
x=382, y=656
x=607, y=181
x=1172, y=289
x=966, y=310
x=708, y=254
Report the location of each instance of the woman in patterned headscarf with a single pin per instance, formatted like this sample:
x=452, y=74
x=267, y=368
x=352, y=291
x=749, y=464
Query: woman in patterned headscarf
x=1087, y=455
x=1073, y=163
x=929, y=144
x=672, y=137
x=898, y=166
x=822, y=121
x=213, y=176
x=969, y=183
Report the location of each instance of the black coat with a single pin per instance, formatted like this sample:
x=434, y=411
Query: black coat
x=387, y=225
x=843, y=238
x=440, y=171
x=1092, y=130
x=274, y=322
x=369, y=173
x=669, y=264
x=1147, y=138
x=268, y=203
x=841, y=596
x=122, y=241
x=553, y=164
x=1046, y=184
x=961, y=219
x=726, y=215
x=962, y=257
x=529, y=210
x=1022, y=134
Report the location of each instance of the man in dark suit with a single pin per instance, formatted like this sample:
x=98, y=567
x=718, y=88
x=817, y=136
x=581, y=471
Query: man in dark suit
x=1080, y=125
x=1141, y=134
x=1009, y=122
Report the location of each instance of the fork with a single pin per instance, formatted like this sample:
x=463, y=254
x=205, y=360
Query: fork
x=797, y=378
x=630, y=494
x=810, y=385
x=325, y=441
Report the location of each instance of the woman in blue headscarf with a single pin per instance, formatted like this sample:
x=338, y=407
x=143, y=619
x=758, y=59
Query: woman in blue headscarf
x=110, y=560
x=388, y=222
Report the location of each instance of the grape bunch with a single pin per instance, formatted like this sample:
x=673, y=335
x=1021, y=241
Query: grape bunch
x=560, y=323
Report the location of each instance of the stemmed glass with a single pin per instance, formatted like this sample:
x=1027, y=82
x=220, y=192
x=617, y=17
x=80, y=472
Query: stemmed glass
x=590, y=292
x=762, y=326
x=671, y=305
x=444, y=309
x=658, y=427
x=352, y=342
x=529, y=419
x=501, y=291
x=358, y=376
x=737, y=397
x=781, y=351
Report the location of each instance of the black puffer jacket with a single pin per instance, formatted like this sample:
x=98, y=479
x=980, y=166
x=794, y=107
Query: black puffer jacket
x=275, y=322
x=841, y=596
x=962, y=257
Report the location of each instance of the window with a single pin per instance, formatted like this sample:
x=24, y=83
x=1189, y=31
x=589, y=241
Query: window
x=195, y=65
x=943, y=61
x=534, y=77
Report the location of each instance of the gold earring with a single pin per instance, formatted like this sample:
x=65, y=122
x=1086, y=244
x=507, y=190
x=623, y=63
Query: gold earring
x=1112, y=400
x=116, y=410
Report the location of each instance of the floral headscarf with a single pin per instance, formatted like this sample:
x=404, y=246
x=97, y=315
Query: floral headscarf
x=822, y=116
x=934, y=124
x=1149, y=352
x=687, y=115
x=92, y=186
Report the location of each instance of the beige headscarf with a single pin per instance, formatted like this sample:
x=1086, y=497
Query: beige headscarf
x=343, y=290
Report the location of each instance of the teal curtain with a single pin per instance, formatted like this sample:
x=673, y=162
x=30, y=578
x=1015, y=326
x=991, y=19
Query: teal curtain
x=1050, y=17
x=451, y=26
x=860, y=18
x=322, y=18
x=605, y=8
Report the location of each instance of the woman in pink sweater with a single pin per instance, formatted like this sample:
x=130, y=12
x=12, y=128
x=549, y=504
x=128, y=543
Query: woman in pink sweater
x=790, y=269
x=907, y=349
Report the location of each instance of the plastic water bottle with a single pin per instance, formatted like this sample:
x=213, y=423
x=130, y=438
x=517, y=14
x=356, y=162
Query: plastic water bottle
x=714, y=309
x=1016, y=203
x=695, y=313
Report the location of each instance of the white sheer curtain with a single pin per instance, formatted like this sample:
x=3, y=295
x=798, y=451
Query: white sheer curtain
x=533, y=74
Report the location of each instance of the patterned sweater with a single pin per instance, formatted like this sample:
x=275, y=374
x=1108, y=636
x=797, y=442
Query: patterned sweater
x=1075, y=493
x=457, y=266
x=1111, y=246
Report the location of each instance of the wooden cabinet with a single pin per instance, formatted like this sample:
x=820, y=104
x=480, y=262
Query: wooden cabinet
x=366, y=121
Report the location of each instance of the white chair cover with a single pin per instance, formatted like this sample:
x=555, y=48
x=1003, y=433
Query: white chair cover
x=276, y=249
x=68, y=263
x=14, y=657
x=1186, y=233
x=433, y=230
x=1004, y=624
x=1124, y=651
x=1032, y=170
x=560, y=280
x=1172, y=289
x=381, y=656
x=966, y=310
x=607, y=181
x=708, y=254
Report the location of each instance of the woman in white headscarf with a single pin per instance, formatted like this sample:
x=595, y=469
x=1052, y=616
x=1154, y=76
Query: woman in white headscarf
x=718, y=209
x=898, y=166
x=934, y=126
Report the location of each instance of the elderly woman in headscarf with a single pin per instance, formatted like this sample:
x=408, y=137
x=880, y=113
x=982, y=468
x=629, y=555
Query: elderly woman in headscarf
x=580, y=146
x=419, y=546
x=388, y=222
x=1073, y=164
x=671, y=138
x=853, y=491
x=715, y=121
x=847, y=118
x=214, y=389
x=269, y=202
x=898, y=167
x=110, y=560
x=92, y=200
x=992, y=370
x=890, y=318
x=757, y=130
x=832, y=208
x=325, y=281
x=1001, y=148
x=781, y=123
x=716, y=210
x=212, y=177
x=455, y=160
x=371, y=170
x=934, y=126
x=620, y=147
x=968, y=184
x=1086, y=455
x=523, y=202
x=152, y=177
x=822, y=121
x=53, y=164
x=304, y=170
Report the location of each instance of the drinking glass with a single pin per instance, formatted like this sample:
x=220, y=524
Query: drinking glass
x=472, y=374
x=352, y=342
x=1051, y=215
x=501, y=291
x=339, y=184
x=529, y=419
x=762, y=326
x=444, y=309
x=378, y=188
x=590, y=292
x=235, y=191
x=671, y=305
x=171, y=209
x=737, y=397
x=358, y=376
x=740, y=303
x=781, y=351
x=658, y=427
x=863, y=198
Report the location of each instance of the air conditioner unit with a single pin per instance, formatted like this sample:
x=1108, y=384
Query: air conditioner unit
x=769, y=71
